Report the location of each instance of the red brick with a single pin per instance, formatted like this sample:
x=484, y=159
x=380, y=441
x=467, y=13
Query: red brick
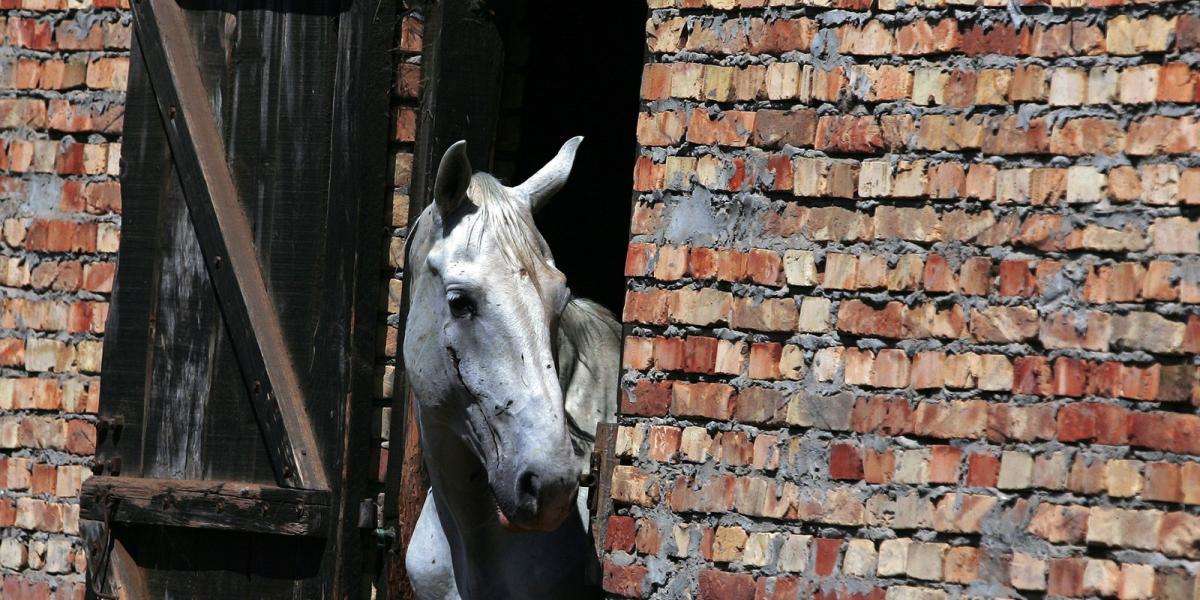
x=649, y=306
x=647, y=399
x=995, y=39
x=669, y=353
x=779, y=588
x=638, y=258
x=1016, y=279
x=12, y=352
x=61, y=236
x=860, y=134
x=1171, y=432
x=1044, y=232
x=1187, y=33
x=627, y=581
x=706, y=400
x=656, y=81
x=760, y=405
x=702, y=263
x=1032, y=376
x=764, y=267
x=700, y=354
x=98, y=276
x=663, y=443
x=8, y=510
x=647, y=175
x=764, y=360
x=620, y=534
x=411, y=34
x=43, y=479
x=1163, y=482
x=1176, y=83
x=919, y=37
x=1070, y=376
x=17, y=587
x=713, y=495
x=1191, y=335
x=731, y=265
x=939, y=276
x=883, y=415
x=731, y=128
x=827, y=551
x=943, y=464
x=983, y=470
x=649, y=539
x=781, y=171
x=1066, y=577
x=856, y=317
x=779, y=128
x=718, y=585
x=878, y=467
x=845, y=462
x=81, y=437
x=408, y=81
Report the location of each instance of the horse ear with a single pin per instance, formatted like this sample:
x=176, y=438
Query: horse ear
x=538, y=189
x=453, y=178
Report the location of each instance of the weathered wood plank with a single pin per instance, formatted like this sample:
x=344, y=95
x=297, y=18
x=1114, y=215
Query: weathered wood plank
x=225, y=235
x=357, y=188
x=406, y=457
x=604, y=458
x=135, y=293
x=206, y=505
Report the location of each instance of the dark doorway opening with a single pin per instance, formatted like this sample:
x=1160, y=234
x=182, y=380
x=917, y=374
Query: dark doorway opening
x=573, y=70
x=516, y=79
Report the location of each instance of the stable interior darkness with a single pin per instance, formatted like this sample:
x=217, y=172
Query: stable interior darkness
x=581, y=75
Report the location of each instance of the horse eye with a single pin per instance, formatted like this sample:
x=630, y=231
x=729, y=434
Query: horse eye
x=461, y=306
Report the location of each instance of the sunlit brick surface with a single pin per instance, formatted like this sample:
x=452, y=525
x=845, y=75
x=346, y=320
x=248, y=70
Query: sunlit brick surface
x=913, y=303
x=63, y=72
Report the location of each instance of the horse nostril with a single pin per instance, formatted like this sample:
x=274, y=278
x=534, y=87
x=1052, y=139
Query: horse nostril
x=528, y=487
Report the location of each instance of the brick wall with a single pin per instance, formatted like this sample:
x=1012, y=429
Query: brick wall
x=63, y=68
x=406, y=98
x=912, y=303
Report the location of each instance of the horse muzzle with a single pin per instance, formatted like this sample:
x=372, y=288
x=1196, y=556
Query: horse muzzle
x=541, y=499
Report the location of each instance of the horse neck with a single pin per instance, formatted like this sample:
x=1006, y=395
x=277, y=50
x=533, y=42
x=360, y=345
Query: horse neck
x=589, y=349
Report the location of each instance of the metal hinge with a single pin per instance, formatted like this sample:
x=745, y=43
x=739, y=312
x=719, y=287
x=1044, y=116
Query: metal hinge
x=370, y=516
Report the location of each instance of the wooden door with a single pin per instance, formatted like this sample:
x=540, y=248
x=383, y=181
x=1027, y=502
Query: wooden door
x=236, y=396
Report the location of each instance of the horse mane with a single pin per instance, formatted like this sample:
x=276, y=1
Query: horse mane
x=505, y=217
x=588, y=333
x=585, y=323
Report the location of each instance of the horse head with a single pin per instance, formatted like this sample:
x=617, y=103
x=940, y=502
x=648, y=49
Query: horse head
x=491, y=298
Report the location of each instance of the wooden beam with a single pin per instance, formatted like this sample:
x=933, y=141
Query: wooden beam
x=358, y=190
x=604, y=458
x=234, y=506
x=226, y=240
x=405, y=456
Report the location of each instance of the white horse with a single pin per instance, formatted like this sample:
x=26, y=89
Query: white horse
x=511, y=375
